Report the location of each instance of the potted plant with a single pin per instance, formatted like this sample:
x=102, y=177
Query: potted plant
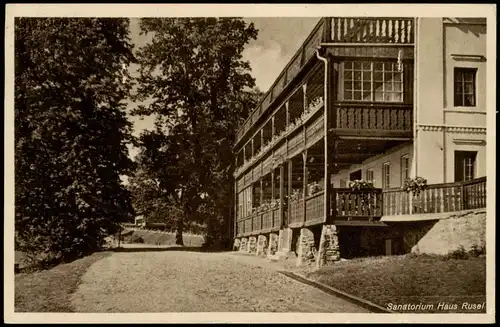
x=359, y=184
x=415, y=185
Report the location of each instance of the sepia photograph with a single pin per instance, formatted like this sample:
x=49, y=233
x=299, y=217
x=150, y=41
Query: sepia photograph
x=250, y=163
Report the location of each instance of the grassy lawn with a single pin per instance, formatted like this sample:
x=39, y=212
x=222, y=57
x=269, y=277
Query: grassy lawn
x=50, y=290
x=411, y=280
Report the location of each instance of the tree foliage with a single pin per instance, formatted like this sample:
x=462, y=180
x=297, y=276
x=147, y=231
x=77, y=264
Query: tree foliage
x=199, y=90
x=71, y=133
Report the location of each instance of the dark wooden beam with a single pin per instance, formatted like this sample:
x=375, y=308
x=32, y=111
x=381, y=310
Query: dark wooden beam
x=360, y=223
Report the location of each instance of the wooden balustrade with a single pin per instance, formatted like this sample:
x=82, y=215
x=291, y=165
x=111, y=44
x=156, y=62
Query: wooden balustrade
x=474, y=194
x=395, y=202
x=248, y=225
x=276, y=218
x=315, y=205
x=436, y=198
x=362, y=204
x=372, y=30
x=296, y=211
x=267, y=219
x=389, y=117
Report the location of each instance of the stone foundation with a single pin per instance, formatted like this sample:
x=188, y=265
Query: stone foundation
x=273, y=244
x=328, y=246
x=285, y=240
x=236, y=244
x=306, y=254
x=243, y=245
x=261, y=245
x=252, y=244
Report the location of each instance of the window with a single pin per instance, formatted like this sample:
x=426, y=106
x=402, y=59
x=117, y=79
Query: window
x=372, y=81
x=386, y=173
x=465, y=87
x=465, y=164
x=369, y=175
x=405, y=168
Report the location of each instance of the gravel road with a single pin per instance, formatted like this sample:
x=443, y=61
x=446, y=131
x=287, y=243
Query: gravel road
x=163, y=280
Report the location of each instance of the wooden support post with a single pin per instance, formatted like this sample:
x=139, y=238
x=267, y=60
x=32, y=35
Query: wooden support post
x=272, y=184
x=290, y=190
x=262, y=137
x=244, y=154
x=236, y=212
x=272, y=127
x=287, y=114
x=304, y=89
x=253, y=152
x=304, y=159
x=282, y=193
x=261, y=200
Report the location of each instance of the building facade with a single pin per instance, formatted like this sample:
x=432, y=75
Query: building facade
x=365, y=105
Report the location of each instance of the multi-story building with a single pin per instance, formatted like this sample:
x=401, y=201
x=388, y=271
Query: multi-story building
x=364, y=101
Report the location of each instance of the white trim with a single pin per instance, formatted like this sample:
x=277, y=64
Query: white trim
x=452, y=128
x=465, y=111
x=466, y=57
x=471, y=142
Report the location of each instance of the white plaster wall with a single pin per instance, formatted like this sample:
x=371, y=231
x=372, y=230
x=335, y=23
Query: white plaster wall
x=467, y=40
x=393, y=156
x=441, y=46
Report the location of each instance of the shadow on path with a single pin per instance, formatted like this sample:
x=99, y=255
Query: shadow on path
x=165, y=249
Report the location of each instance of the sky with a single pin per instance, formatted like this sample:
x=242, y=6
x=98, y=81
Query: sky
x=277, y=41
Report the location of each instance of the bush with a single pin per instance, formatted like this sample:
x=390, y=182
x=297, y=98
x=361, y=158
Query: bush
x=459, y=253
x=136, y=239
x=477, y=250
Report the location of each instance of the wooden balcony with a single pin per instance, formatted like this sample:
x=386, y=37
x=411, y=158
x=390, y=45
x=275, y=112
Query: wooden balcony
x=367, y=206
x=358, y=31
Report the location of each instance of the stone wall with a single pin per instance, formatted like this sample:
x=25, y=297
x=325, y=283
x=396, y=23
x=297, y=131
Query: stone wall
x=306, y=254
x=329, y=246
x=465, y=229
x=252, y=244
x=442, y=235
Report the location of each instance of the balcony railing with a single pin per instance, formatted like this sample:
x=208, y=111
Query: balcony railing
x=436, y=198
x=372, y=30
x=364, y=204
x=315, y=207
x=296, y=212
x=314, y=129
x=377, y=117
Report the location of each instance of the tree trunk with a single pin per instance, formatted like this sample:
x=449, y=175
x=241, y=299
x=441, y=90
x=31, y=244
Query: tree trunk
x=178, y=232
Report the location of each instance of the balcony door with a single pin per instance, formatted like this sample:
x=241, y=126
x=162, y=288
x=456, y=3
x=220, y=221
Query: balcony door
x=465, y=165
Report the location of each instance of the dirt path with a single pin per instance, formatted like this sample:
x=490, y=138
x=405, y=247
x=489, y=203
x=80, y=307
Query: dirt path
x=161, y=280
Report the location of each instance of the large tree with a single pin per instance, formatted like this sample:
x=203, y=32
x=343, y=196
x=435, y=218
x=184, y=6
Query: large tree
x=199, y=90
x=71, y=133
